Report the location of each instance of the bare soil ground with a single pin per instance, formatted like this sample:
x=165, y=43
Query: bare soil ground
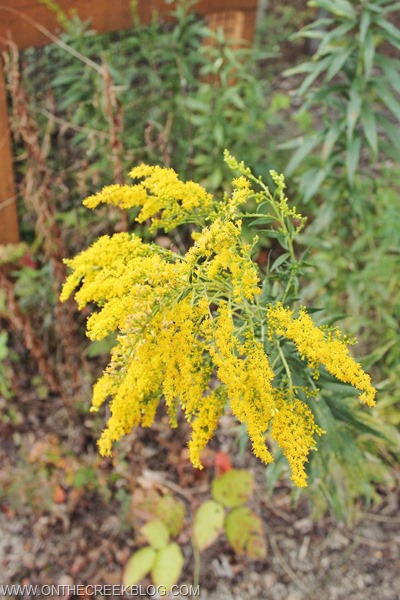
x=67, y=515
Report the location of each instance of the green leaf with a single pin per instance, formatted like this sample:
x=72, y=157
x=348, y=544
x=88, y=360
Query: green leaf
x=391, y=30
x=156, y=533
x=392, y=7
x=207, y=524
x=338, y=62
x=280, y=260
x=167, y=566
x=341, y=8
x=307, y=146
x=138, y=566
x=368, y=122
x=218, y=134
x=244, y=530
x=364, y=25
x=353, y=157
x=312, y=180
x=330, y=139
x=331, y=38
x=388, y=98
x=233, y=488
x=309, y=80
x=369, y=54
x=391, y=69
x=305, y=67
x=353, y=111
x=172, y=514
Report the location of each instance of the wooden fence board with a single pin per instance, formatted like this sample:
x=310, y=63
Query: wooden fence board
x=9, y=233
x=104, y=18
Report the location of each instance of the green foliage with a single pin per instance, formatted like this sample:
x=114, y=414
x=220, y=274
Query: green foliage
x=178, y=100
x=5, y=383
x=352, y=84
x=346, y=161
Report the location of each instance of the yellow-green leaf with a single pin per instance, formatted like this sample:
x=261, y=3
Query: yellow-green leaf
x=233, y=488
x=172, y=514
x=156, y=533
x=167, y=566
x=139, y=565
x=207, y=524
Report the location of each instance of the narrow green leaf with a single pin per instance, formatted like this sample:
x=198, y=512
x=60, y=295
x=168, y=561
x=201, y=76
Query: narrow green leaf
x=333, y=37
x=219, y=134
x=233, y=488
x=388, y=99
x=309, y=80
x=391, y=69
x=280, y=260
x=364, y=25
x=353, y=157
x=393, y=7
x=207, y=524
x=369, y=54
x=341, y=8
x=138, y=566
x=306, y=67
x=368, y=122
x=311, y=182
x=330, y=139
x=167, y=566
x=389, y=28
x=353, y=111
x=306, y=147
x=338, y=62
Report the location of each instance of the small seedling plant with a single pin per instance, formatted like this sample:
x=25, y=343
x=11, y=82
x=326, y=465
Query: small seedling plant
x=162, y=558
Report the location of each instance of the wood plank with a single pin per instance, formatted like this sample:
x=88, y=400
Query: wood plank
x=9, y=233
x=24, y=20
x=236, y=24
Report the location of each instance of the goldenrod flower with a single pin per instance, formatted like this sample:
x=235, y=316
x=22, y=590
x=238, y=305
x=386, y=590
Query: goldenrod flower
x=190, y=328
x=321, y=348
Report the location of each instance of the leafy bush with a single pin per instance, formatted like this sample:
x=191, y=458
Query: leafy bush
x=345, y=162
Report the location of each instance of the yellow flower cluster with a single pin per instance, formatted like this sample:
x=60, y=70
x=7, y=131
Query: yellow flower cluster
x=318, y=347
x=163, y=197
x=227, y=257
x=293, y=429
x=245, y=371
x=188, y=325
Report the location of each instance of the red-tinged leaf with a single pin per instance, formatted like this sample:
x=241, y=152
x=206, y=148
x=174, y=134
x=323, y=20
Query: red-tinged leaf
x=222, y=463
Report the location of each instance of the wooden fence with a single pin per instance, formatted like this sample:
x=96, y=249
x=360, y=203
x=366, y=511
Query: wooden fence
x=29, y=23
